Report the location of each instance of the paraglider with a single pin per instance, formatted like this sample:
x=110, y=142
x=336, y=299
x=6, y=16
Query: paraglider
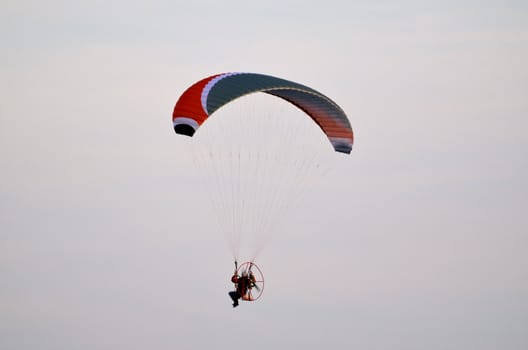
x=251, y=191
x=248, y=282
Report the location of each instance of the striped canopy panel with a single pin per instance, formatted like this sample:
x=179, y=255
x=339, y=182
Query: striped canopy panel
x=203, y=98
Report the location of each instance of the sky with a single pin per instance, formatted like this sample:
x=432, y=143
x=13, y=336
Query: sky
x=417, y=240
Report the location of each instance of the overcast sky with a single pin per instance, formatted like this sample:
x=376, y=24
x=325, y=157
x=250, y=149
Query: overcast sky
x=416, y=241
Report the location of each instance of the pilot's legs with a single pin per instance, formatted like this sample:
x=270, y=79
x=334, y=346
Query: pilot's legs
x=234, y=297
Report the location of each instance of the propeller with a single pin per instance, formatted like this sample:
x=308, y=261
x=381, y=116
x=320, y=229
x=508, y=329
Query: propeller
x=250, y=280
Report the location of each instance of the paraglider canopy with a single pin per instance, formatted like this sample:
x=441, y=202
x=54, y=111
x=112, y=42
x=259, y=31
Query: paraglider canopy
x=203, y=98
